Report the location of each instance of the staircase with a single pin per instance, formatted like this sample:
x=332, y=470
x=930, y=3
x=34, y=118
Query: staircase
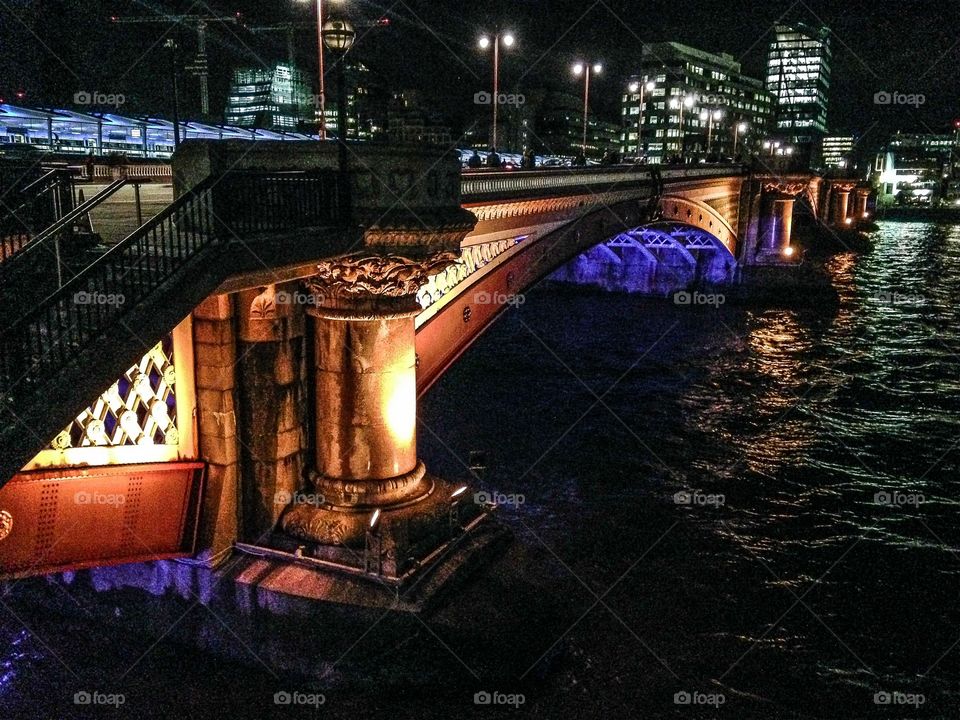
x=31, y=198
x=61, y=354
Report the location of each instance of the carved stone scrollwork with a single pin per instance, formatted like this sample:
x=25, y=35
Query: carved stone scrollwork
x=785, y=187
x=433, y=230
x=6, y=524
x=375, y=276
x=843, y=186
x=264, y=306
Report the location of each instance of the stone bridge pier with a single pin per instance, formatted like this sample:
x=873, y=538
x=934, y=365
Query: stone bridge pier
x=767, y=217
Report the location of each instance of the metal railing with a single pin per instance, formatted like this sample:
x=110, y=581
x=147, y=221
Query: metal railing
x=123, y=279
x=24, y=209
x=29, y=249
x=477, y=185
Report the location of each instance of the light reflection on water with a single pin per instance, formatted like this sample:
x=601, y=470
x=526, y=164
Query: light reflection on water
x=801, y=592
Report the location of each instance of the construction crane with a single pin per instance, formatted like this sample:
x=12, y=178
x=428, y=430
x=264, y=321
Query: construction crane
x=200, y=66
x=290, y=29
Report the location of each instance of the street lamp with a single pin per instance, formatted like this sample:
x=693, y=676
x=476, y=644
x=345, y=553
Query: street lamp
x=323, y=88
x=339, y=36
x=507, y=40
x=686, y=102
x=710, y=116
x=647, y=85
x=171, y=45
x=738, y=130
x=585, y=69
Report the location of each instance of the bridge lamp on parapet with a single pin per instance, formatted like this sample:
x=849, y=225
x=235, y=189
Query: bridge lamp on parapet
x=339, y=36
x=687, y=101
x=634, y=87
x=498, y=39
x=320, y=43
x=585, y=69
x=738, y=129
x=710, y=116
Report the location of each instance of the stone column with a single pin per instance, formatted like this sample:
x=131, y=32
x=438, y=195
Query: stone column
x=841, y=205
x=366, y=394
x=860, y=204
x=776, y=227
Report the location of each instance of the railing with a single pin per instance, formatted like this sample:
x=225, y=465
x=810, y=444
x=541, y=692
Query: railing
x=28, y=250
x=26, y=208
x=133, y=171
x=213, y=213
x=477, y=185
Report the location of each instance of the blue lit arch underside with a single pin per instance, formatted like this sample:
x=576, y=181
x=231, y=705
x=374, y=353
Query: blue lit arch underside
x=654, y=259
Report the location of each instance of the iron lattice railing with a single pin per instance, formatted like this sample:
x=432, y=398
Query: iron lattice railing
x=124, y=278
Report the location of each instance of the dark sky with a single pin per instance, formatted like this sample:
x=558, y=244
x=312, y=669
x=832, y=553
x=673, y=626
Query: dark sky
x=54, y=48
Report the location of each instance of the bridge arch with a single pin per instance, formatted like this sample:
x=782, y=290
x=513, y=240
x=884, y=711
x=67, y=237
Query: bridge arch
x=658, y=256
x=700, y=215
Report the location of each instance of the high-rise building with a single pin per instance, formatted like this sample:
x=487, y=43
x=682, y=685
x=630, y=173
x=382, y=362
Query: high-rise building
x=274, y=98
x=694, y=104
x=798, y=75
x=837, y=151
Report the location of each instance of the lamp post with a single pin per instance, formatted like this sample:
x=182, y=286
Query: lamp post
x=171, y=44
x=585, y=69
x=323, y=87
x=338, y=36
x=686, y=102
x=647, y=85
x=710, y=116
x=738, y=130
x=507, y=40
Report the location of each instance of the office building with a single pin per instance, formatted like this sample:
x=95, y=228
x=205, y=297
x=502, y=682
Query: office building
x=274, y=98
x=798, y=75
x=687, y=102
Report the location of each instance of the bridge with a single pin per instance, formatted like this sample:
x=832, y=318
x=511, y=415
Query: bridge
x=242, y=371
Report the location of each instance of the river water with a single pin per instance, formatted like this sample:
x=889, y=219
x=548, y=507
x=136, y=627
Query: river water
x=726, y=512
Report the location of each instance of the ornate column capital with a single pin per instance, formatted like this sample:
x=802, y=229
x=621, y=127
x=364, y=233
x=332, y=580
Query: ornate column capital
x=365, y=285
x=789, y=188
x=843, y=186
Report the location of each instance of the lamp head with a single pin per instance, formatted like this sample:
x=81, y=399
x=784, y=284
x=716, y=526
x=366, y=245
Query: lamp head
x=338, y=35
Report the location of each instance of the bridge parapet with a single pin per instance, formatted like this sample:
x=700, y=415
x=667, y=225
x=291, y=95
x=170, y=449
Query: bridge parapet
x=485, y=186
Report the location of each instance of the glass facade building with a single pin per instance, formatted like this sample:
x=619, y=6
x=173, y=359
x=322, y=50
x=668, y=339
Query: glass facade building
x=275, y=98
x=798, y=75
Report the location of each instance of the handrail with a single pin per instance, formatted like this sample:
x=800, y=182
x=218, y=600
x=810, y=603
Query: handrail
x=89, y=304
x=26, y=207
x=476, y=184
x=27, y=250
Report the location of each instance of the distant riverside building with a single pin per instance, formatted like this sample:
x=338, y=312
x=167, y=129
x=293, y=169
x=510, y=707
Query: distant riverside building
x=720, y=105
x=274, y=98
x=918, y=169
x=798, y=75
x=408, y=121
x=366, y=104
x=558, y=128
x=837, y=151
